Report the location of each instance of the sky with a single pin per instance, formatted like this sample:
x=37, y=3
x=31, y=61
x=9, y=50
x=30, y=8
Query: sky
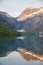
x=15, y=7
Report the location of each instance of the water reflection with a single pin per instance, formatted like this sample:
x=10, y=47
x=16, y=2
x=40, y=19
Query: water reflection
x=30, y=56
x=15, y=58
x=23, y=48
x=30, y=44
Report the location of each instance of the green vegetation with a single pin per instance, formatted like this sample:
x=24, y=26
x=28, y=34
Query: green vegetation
x=6, y=32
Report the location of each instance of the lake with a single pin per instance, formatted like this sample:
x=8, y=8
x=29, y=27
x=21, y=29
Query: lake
x=23, y=50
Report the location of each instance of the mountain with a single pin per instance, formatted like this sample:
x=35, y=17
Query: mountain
x=30, y=12
x=33, y=23
x=32, y=20
x=10, y=22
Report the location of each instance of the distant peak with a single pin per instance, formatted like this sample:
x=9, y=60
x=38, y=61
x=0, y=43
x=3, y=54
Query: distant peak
x=4, y=14
x=30, y=12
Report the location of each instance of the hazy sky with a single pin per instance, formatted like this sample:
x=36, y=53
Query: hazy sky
x=15, y=7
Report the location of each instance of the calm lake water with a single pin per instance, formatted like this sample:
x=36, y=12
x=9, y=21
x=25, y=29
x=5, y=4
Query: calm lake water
x=11, y=55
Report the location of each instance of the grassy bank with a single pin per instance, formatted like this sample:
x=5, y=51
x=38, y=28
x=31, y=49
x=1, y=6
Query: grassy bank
x=6, y=32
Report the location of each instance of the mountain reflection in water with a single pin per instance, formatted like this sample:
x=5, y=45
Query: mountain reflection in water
x=31, y=45
x=14, y=58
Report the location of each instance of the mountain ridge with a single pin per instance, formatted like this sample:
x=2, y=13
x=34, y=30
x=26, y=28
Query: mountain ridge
x=33, y=23
x=30, y=12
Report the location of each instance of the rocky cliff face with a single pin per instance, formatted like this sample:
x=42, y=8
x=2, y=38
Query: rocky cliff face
x=33, y=20
x=30, y=12
x=30, y=19
x=10, y=22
